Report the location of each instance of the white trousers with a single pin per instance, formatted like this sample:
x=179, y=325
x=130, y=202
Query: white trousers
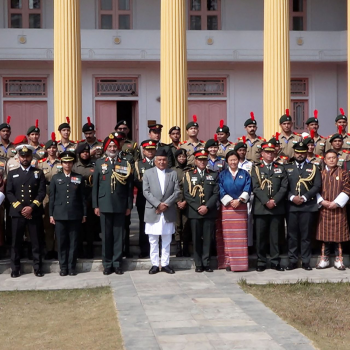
x=154, y=253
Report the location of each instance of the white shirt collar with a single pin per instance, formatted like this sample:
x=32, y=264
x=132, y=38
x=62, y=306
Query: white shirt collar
x=25, y=169
x=233, y=173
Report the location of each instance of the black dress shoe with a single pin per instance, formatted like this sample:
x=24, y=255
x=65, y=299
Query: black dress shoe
x=153, y=270
x=276, y=267
x=199, y=269
x=260, y=268
x=15, y=273
x=168, y=269
x=208, y=269
x=119, y=271
x=38, y=273
x=291, y=266
x=107, y=271
x=72, y=272
x=63, y=273
x=306, y=266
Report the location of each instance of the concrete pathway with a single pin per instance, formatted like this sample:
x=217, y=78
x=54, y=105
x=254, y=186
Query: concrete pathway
x=190, y=310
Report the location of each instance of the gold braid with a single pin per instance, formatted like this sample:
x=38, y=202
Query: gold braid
x=138, y=171
x=118, y=177
x=196, y=188
x=304, y=181
x=264, y=182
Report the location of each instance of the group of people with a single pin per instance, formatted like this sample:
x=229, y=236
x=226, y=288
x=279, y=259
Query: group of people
x=218, y=194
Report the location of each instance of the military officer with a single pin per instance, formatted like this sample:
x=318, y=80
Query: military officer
x=340, y=121
x=201, y=191
x=253, y=141
x=215, y=163
x=311, y=156
x=13, y=162
x=304, y=183
x=67, y=210
x=65, y=144
x=33, y=135
x=225, y=146
x=129, y=146
x=319, y=141
x=192, y=144
x=86, y=167
x=336, y=142
x=280, y=157
x=95, y=145
x=7, y=148
x=175, y=136
x=149, y=150
x=287, y=137
x=50, y=166
x=270, y=184
x=112, y=199
x=2, y=197
x=26, y=191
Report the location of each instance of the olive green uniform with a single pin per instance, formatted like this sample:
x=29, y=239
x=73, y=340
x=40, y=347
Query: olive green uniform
x=131, y=147
x=287, y=143
x=225, y=148
x=191, y=148
x=253, y=148
x=96, y=146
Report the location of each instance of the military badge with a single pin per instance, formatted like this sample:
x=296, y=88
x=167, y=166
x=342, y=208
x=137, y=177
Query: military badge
x=36, y=174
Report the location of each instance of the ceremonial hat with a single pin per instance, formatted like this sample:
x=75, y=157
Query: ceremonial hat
x=67, y=156
x=121, y=122
x=7, y=124
x=251, y=120
x=20, y=139
x=82, y=147
x=24, y=150
x=241, y=144
x=180, y=151
x=149, y=144
x=34, y=128
x=114, y=137
x=268, y=146
x=161, y=152
x=300, y=147
x=310, y=138
x=51, y=142
x=201, y=154
x=88, y=126
x=275, y=139
x=313, y=119
x=155, y=128
x=212, y=142
x=286, y=117
x=222, y=127
x=337, y=135
x=341, y=116
x=64, y=125
x=192, y=123
x=174, y=128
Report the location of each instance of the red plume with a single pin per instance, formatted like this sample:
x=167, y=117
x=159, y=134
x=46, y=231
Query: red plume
x=215, y=138
x=221, y=124
x=316, y=113
x=340, y=129
x=277, y=135
x=68, y=120
x=342, y=111
x=252, y=116
x=312, y=133
x=287, y=112
x=244, y=139
x=8, y=120
x=53, y=136
x=195, y=118
x=89, y=120
x=36, y=123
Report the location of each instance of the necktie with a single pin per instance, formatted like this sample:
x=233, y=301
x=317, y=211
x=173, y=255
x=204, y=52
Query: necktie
x=299, y=168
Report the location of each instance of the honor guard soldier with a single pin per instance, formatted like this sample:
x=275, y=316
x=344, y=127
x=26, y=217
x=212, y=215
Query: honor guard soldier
x=130, y=146
x=287, y=137
x=280, y=157
x=65, y=144
x=50, y=166
x=85, y=167
x=340, y=120
x=7, y=148
x=225, y=145
x=304, y=183
x=175, y=136
x=193, y=144
x=270, y=184
x=13, y=162
x=253, y=140
x=319, y=141
x=336, y=142
x=33, y=135
x=26, y=191
x=2, y=197
x=67, y=209
x=311, y=156
x=149, y=150
x=112, y=199
x=201, y=191
x=215, y=163
x=95, y=145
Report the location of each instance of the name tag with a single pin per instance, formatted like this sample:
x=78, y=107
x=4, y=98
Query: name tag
x=309, y=170
x=36, y=174
x=277, y=171
x=75, y=180
x=15, y=175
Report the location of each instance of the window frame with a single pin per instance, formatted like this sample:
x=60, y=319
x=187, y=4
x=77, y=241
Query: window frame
x=293, y=14
x=43, y=81
x=115, y=12
x=204, y=13
x=25, y=12
x=303, y=97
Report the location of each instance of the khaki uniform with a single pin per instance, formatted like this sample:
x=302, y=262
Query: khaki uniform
x=131, y=147
x=2, y=206
x=287, y=143
x=191, y=148
x=317, y=160
x=343, y=156
x=346, y=142
x=97, y=146
x=7, y=152
x=39, y=152
x=254, y=148
x=69, y=148
x=225, y=148
x=320, y=145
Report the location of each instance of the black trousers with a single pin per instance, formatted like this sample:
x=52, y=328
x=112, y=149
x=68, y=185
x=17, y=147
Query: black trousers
x=112, y=225
x=143, y=238
x=35, y=228
x=267, y=230
x=202, y=231
x=299, y=224
x=126, y=247
x=67, y=233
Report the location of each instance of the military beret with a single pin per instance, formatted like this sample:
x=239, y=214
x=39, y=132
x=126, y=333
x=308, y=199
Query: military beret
x=212, y=142
x=308, y=140
x=82, y=147
x=161, y=152
x=274, y=141
x=174, y=128
x=34, y=128
x=341, y=116
x=222, y=127
x=336, y=136
x=51, y=142
x=286, y=117
x=313, y=119
x=88, y=126
x=20, y=139
x=240, y=145
x=7, y=124
x=300, y=147
x=64, y=125
x=251, y=120
x=121, y=122
x=192, y=123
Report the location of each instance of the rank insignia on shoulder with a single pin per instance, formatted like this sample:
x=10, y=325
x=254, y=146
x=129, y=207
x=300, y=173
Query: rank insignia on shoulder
x=318, y=156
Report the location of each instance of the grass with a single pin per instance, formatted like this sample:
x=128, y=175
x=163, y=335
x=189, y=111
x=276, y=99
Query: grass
x=318, y=310
x=63, y=319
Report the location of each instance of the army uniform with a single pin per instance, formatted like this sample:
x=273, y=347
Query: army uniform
x=320, y=145
x=68, y=148
x=191, y=148
x=287, y=143
x=343, y=156
x=173, y=149
x=130, y=147
x=216, y=165
x=202, y=226
x=253, y=148
x=96, y=146
x=39, y=152
x=7, y=152
x=225, y=148
x=281, y=159
x=317, y=160
x=2, y=205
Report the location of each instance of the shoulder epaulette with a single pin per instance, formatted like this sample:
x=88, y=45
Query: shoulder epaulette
x=329, y=136
x=322, y=137
x=295, y=133
x=41, y=145
x=99, y=140
x=240, y=138
x=284, y=157
x=144, y=161
x=81, y=141
x=346, y=151
x=261, y=138
x=318, y=156
x=183, y=142
x=106, y=159
x=42, y=160
x=201, y=141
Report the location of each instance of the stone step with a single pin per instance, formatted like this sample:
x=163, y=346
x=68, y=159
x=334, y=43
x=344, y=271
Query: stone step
x=94, y=265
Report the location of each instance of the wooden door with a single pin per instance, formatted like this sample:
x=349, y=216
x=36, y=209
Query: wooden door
x=23, y=115
x=209, y=114
x=105, y=118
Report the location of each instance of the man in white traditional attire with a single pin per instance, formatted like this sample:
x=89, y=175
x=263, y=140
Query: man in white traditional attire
x=161, y=190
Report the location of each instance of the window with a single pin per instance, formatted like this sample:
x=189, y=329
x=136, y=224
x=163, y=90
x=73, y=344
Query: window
x=204, y=14
x=297, y=10
x=126, y=87
x=115, y=14
x=24, y=13
x=206, y=87
x=299, y=102
x=24, y=87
